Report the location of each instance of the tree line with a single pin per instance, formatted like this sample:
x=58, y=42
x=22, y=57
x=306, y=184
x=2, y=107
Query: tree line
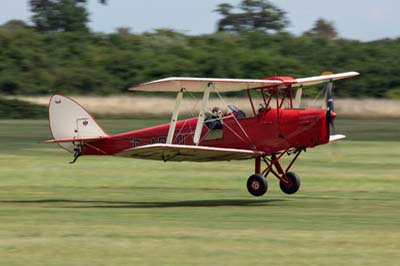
x=250, y=42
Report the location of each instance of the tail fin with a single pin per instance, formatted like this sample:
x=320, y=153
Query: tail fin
x=70, y=121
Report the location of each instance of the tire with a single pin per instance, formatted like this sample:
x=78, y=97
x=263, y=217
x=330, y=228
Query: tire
x=257, y=185
x=293, y=184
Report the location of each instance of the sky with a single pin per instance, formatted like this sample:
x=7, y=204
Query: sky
x=364, y=20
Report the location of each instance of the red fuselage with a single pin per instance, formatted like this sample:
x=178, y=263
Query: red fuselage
x=270, y=131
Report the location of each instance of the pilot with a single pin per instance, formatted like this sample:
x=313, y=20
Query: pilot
x=232, y=109
x=217, y=115
x=216, y=111
x=215, y=120
x=261, y=108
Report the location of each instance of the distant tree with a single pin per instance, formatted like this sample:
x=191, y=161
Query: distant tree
x=224, y=9
x=15, y=24
x=123, y=30
x=254, y=15
x=60, y=15
x=36, y=63
x=323, y=28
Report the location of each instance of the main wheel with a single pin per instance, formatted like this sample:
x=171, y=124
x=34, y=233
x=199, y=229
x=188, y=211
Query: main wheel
x=293, y=183
x=257, y=185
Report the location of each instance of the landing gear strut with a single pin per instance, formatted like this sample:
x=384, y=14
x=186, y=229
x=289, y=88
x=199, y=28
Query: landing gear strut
x=77, y=151
x=289, y=182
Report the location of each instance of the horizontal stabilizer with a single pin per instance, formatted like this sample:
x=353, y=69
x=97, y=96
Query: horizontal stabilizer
x=73, y=140
x=337, y=137
x=171, y=152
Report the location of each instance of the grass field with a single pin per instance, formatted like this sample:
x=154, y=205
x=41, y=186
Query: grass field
x=114, y=211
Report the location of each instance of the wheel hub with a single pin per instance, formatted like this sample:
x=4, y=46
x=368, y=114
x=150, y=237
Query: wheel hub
x=255, y=185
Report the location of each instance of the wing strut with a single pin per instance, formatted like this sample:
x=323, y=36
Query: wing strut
x=174, y=118
x=297, y=100
x=200, y=120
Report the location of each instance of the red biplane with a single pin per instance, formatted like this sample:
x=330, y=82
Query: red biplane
x=278, y=127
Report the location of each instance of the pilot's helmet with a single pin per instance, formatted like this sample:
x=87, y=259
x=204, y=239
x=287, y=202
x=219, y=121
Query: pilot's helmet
x=232, y=109
x=216, y=111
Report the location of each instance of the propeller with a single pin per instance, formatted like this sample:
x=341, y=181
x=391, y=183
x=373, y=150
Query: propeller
x=330, y=114
x=328, y=104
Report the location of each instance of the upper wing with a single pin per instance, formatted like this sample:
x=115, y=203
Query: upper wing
x=199, y=84
x=324, y=78
x=171, y=152
x=223, y=85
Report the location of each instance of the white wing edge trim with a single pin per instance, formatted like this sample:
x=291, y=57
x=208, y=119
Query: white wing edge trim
x=323, y=78
x=266, y=81
x=208, y=80
x=337, y=137
x=193, y=147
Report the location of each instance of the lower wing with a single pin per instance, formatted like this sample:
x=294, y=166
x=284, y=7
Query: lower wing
x=170, y=152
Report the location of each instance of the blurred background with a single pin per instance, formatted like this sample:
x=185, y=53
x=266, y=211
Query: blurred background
x=101, y=48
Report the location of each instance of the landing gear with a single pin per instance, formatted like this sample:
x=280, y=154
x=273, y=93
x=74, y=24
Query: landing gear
x=77, y=151
x=292, y=183
x=257, y=185
x=289, y=181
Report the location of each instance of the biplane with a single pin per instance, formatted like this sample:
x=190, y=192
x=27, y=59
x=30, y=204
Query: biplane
x=275, y=128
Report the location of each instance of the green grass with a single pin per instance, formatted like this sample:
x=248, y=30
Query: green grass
x=115, y=211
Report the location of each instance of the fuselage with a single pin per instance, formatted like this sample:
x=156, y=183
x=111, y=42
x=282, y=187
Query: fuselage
x=269, y=131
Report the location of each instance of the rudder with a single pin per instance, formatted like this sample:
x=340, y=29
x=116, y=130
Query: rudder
x=69, y=120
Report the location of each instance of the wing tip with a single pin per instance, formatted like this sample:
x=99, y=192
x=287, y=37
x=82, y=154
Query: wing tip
x=336, y=137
